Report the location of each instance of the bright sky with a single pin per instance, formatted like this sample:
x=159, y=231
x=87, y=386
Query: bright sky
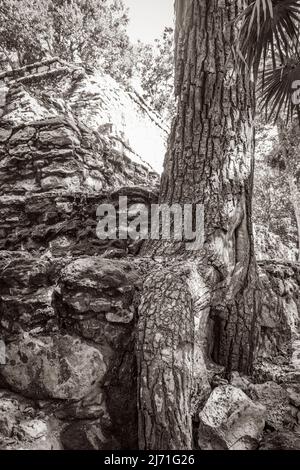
x=148, y=18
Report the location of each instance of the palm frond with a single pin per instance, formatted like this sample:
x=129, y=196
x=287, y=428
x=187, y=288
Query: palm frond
x=269, y=28
x=278, y=89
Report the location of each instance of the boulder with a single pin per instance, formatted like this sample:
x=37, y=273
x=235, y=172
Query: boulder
x=294, y=394
x=279, y=315
x=275, y=399
x=240, y=381
x=59, y=367
x=5, y=134
x=8, y=415
x=12, y=410
x=32, y=429
x=97, y=299
x=35, y=434
x=24, y=427
x=24, y=134
x=230, y=420
x=60, y=137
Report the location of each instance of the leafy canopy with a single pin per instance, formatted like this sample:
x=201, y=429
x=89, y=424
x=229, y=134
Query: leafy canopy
x=155, y=70
x=268, y=44
x=91, y=31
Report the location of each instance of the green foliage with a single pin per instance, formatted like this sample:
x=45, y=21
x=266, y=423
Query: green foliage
x=269, y=43
x=277, y=89
x=268, y=26
x=155, y=69
x=93, y=32
x=286, y=156
x=276, y=162
x=90, y=31
x=23, y=29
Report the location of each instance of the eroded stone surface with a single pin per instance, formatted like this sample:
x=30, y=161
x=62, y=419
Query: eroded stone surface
x=24, y=427
x=230, y=420
x=275, y=399
x=68, y=313
x=58, y=367
x=284, y=440
x=86, y=435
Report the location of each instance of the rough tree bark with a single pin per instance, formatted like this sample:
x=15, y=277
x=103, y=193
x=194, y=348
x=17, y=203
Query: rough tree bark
x=209, y=161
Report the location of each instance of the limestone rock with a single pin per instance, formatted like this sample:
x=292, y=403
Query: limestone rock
x=59, y=367
x=280, y=440
x=23, y=427
x=59, y=137
x=230, y=420
x=32, y=429
x=26, y=294
x=133, y=129
x=8, y=414
x=5, y=134
x=38, y=298
x=96, y=298
x=240, y=381
x=91, y=407
x=35, y=434
x=280, y=309
x=275, y=399
x=94, y=293
x=86, y=435
x=294, y=394
x=24, y=134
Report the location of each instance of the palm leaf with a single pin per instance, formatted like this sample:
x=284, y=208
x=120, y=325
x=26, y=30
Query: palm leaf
x=277, y=90
x=268, y=28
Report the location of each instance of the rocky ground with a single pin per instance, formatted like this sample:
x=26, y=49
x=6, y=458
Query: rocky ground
x=68, y=301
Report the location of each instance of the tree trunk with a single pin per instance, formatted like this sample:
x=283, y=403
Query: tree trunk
x=210, y=162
